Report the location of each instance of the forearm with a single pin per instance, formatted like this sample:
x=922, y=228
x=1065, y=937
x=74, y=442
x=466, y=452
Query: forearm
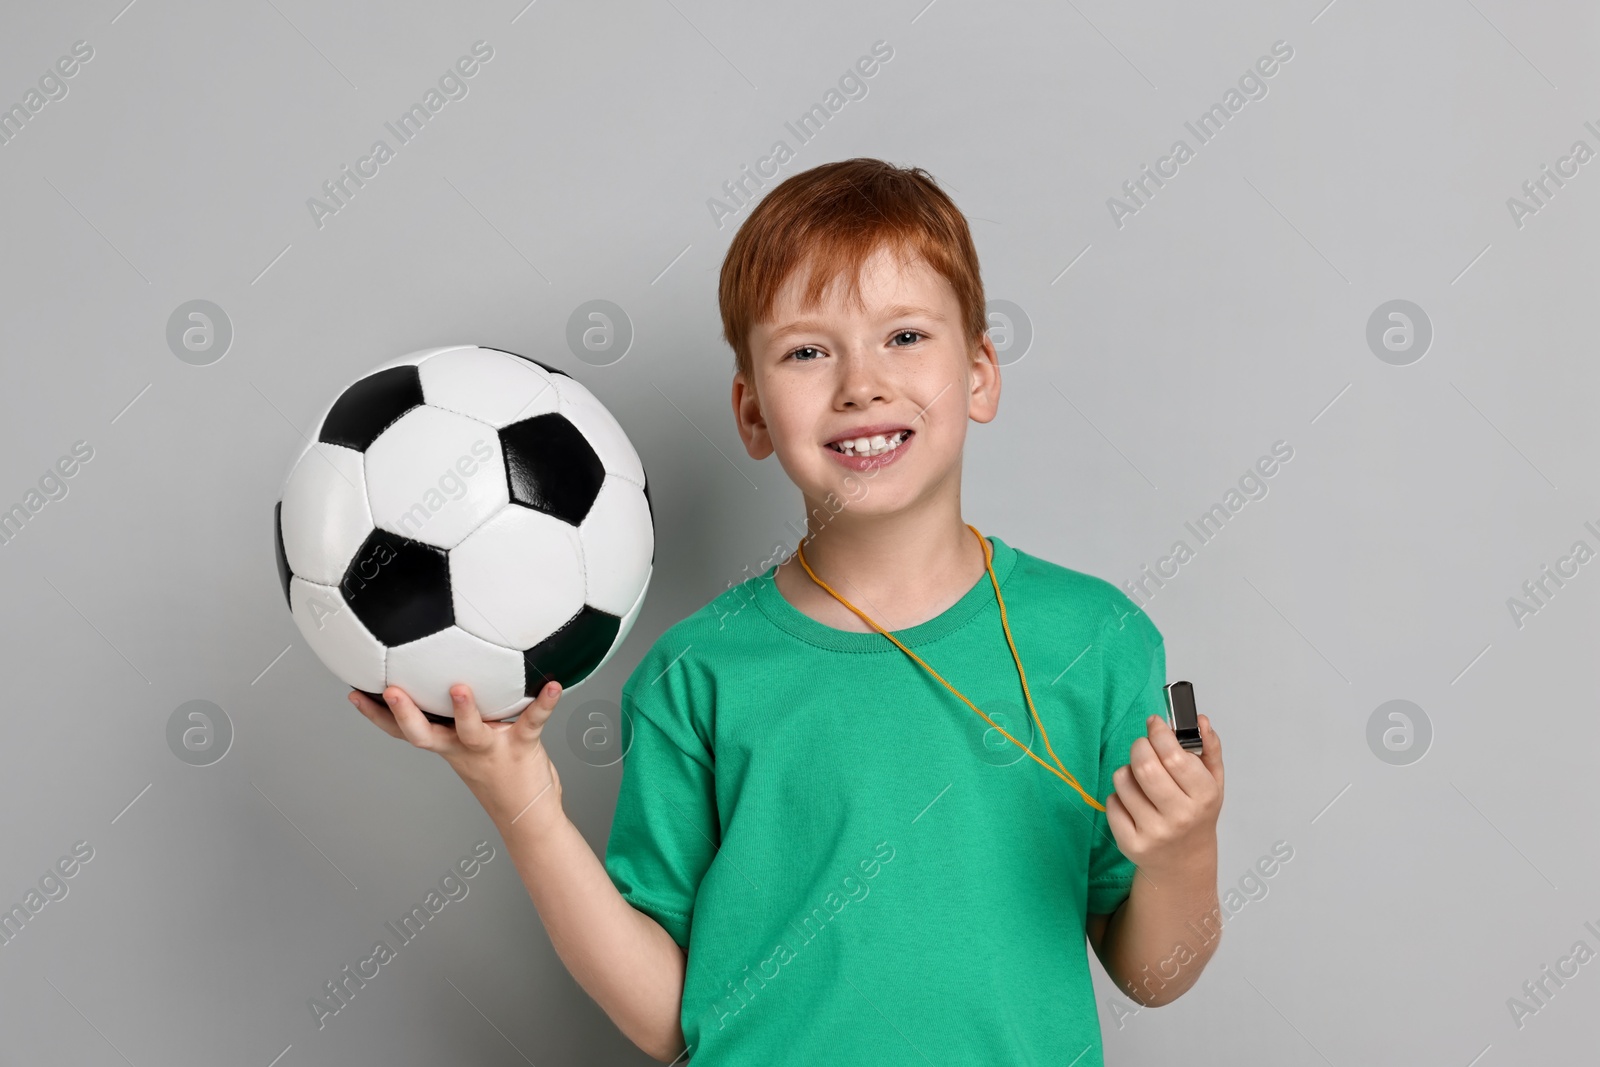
x=1161, y=937
x=621, y=957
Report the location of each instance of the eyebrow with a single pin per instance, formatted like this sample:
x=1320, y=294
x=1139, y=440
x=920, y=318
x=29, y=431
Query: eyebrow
x=894, y=312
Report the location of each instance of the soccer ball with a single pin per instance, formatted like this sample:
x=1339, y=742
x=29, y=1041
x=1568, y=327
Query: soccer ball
x=470, y=515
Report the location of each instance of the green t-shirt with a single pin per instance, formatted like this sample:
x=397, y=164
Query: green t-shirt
x=862, y=870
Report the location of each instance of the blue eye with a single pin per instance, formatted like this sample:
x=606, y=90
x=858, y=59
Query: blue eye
x=795, y=355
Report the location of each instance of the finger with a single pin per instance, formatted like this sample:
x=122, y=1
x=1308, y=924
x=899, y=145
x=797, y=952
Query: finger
x=1186, y=769
x=470, y=727
x=418, y=730
x=1140, y=809
x=535, y=715
x=1152, y=771
x=1211, y=754
x=376, y=712
x=1121, y=823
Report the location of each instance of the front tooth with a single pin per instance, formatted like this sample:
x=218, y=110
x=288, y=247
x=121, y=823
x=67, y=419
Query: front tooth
x=876, y=445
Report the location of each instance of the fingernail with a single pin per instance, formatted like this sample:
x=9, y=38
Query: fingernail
x=458, y=698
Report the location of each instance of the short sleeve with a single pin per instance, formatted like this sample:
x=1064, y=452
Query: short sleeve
x=665, y=832
x=1135, y=664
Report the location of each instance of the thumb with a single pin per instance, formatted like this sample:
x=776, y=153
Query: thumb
x=1211, y=750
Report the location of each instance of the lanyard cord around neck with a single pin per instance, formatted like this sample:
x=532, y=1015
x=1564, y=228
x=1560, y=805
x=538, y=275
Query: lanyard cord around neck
x=1064, y=774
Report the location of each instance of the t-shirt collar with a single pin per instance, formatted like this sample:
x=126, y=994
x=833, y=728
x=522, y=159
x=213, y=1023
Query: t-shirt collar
x=797, y=623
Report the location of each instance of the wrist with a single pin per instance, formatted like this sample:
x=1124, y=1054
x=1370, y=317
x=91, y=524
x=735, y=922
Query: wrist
x=534, y=820
x=540, y=823
x=530, y=805
x=1195, y=864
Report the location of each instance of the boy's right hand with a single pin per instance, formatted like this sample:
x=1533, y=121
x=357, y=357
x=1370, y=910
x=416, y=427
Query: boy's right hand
x=504, y=763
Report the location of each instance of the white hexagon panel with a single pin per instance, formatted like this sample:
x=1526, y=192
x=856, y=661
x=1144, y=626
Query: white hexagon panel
x=325, y=515
x=435, y=476
x=494, y=387
x=618, y=544
x=336, y=635
x=427, y=668
x=518, y=578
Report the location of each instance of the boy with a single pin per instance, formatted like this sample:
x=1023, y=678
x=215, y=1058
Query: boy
x=820, y=854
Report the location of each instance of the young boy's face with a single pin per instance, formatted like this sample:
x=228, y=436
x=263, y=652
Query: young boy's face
x=903, y=362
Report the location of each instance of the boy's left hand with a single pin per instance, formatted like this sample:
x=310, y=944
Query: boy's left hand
x=1164, y=811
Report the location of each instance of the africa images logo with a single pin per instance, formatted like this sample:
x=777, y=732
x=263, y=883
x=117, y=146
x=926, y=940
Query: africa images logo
x=810, y=927
x=741, y=190
x=1252, y=84
x=341, y=990
x=453, y=85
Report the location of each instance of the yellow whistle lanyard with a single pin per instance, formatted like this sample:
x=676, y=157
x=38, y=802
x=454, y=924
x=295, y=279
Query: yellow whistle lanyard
x=1063, y=773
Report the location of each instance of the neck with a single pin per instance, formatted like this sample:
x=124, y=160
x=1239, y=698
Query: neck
x=901, y=569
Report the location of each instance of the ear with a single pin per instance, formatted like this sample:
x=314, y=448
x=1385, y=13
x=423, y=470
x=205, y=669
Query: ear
x=984, y=379
x=749, y=419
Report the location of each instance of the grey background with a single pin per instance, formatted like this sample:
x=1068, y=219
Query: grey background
x=1228, y=314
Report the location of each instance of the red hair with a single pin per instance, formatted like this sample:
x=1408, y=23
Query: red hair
x=839, y=214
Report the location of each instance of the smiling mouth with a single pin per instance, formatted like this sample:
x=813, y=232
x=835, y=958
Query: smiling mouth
x=866, y=447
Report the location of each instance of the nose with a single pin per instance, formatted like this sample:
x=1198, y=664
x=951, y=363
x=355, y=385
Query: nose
x=860, y=379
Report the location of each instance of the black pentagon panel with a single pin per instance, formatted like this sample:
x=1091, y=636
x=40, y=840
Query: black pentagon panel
x=370, y=406
x=543, y=366
x=399, y=588
x=572, y=652
x=284, y=573
x=650, y=508
x=551, y=467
